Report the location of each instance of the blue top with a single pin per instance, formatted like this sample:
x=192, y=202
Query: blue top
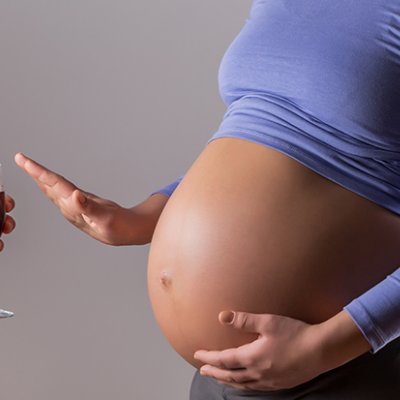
x=319, y=80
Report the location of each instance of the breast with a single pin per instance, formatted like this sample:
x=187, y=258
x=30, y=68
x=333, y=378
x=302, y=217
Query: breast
x=251, y=229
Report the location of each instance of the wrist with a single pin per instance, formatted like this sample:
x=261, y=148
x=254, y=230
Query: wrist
x=143, y=219
x=341, y=341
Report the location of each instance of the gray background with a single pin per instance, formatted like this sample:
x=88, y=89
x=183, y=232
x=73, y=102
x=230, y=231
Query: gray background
x=119, y=96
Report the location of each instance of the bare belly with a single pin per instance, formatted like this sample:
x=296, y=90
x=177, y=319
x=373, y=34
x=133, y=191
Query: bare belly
x=251, y=229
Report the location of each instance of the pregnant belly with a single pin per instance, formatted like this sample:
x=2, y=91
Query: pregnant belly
x=251, y=229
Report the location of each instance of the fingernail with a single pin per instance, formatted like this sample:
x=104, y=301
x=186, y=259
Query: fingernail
x=227, y=317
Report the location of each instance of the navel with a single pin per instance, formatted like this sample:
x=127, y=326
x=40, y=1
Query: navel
x=166, y=280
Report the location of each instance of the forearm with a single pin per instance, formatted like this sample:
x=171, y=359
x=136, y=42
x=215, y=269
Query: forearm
x=368, y=323
x=377, y=312
x=145, y=216
x=340, y=341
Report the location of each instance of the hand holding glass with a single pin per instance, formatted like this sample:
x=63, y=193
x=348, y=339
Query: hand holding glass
x=3, y=313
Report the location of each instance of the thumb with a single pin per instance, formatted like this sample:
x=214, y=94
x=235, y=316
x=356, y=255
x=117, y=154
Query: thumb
x=87, y=206
x=241, y=320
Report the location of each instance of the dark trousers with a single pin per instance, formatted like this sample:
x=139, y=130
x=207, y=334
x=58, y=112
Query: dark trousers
x=368, y=377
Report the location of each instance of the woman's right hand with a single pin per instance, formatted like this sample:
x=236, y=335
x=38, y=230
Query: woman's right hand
x=102, y=219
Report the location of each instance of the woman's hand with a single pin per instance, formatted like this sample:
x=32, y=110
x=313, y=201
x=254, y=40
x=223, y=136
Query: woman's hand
x=102, y=219
x=9, y=222
x=288, y=352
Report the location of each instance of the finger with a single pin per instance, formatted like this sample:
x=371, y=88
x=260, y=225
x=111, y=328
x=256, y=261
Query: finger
x=242, y=320
x=44, y=176
x=9, y=203
x=46, y=190
x=228, y=376
x=1, y=245
x=227, y=359
x=9, y=225
x=49, y=193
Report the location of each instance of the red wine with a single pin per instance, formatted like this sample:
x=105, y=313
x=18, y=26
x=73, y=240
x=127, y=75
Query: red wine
x=2, y=201
x=2, y=211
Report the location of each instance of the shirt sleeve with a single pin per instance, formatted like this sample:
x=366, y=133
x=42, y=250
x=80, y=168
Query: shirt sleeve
x=168, y=189
x=377, y=312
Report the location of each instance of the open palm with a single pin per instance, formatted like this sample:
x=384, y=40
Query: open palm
x=102, y=219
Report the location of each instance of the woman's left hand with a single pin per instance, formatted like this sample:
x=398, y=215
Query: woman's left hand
x=287, y=352
x=9, y=222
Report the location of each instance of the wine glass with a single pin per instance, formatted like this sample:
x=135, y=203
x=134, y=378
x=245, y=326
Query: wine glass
x=3, y=313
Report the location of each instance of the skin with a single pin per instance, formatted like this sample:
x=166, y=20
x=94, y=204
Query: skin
x=287, y=351
x=102, y=219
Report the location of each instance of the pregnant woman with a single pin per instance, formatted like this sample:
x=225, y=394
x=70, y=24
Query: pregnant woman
x=273, y=259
